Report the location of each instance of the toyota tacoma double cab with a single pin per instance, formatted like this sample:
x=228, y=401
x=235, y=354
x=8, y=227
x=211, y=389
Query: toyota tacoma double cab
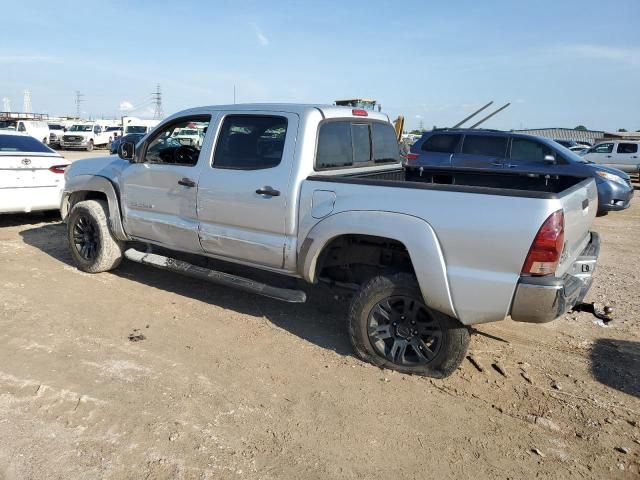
x=319, y=193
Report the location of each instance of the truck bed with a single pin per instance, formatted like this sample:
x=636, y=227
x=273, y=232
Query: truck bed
x=464, y=180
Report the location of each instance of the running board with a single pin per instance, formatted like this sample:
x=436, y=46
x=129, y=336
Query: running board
x=228, y=280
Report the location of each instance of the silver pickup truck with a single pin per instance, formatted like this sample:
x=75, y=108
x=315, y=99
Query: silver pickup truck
x=319, y=193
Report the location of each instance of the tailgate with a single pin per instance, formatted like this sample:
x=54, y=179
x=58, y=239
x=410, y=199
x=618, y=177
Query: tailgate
x=580, y=204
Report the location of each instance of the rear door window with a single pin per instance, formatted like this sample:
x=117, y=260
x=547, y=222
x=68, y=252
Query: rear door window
x=442, y=143
x=627, y=148
x=526, y=150
x=484, y=145
x=250, y=142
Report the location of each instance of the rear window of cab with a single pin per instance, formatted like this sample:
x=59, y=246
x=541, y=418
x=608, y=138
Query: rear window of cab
x=355, y=143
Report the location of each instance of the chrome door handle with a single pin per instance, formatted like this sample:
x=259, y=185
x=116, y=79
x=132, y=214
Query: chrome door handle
x=187, y=182
x=268, y=191
x=496, y=164
x=608, y=156
x=511, y=165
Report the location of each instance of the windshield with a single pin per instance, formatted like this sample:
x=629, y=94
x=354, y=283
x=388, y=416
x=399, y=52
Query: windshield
x=55, y=127
x=136, y=129
x=186, y=131
x=22, y=143
x=567, y=154
x=81, y=128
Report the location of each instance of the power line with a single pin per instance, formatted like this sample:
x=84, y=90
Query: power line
x=158, y=114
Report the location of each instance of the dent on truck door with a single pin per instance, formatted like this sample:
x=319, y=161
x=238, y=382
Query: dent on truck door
x=160, y=190
x=242, y=195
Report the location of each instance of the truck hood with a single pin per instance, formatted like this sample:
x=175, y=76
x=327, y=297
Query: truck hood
x=109, y=167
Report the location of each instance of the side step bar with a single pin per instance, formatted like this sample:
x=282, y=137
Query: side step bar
x=226, y=279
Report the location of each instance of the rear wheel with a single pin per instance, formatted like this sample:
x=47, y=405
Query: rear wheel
x=391, y=327
x=90, y=146
x=93, y=247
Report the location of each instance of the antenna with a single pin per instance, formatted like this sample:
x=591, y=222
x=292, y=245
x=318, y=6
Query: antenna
x=78, y=101
x=490, y=115
x=6, y=104
x=26, y=102
x=472, y=115
x=158, y=114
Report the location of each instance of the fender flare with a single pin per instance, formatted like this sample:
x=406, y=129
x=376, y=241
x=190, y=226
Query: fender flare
x=93, y=183
x=414, y=233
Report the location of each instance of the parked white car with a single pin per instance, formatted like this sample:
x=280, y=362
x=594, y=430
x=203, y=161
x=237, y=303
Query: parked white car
x=86, y=136
x=38, y=129
x=32, y=175
x=621, y=154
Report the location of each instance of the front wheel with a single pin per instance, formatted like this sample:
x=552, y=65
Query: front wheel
x=391, y=327
x=90, y=146
x=93, y=247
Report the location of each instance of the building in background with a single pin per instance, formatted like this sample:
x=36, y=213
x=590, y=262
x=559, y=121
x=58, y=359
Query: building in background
x=591, y=136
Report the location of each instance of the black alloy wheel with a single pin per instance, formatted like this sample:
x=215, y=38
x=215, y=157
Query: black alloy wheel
x=403, y=330
x=86, y=237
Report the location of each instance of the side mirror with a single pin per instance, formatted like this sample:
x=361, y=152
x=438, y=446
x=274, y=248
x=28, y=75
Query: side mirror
x=127, y=151
x=550, y=160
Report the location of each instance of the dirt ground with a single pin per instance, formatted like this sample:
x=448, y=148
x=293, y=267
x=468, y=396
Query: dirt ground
x=223, y=384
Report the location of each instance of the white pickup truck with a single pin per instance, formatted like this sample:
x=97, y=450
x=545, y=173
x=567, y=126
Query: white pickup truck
x=319, y=193
x=86, y=136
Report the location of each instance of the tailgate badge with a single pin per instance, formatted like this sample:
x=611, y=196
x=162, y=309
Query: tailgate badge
x=26, y=161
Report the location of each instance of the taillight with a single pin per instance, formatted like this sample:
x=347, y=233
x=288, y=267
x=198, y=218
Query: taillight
x=58, y=168
x=546, y=248
x=359, y=112
x=411, y=156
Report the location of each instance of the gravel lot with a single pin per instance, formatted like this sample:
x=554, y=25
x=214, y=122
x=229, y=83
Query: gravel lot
x=224, y=384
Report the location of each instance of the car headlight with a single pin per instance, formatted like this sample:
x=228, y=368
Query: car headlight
x=611, y=177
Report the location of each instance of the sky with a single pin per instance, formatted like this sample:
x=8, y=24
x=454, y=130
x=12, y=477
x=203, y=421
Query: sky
x=560, y=63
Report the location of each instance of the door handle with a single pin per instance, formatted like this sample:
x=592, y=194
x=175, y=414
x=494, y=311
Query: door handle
x=511, y=165
x=635, y=156
x=496, y=164
x=268, y=191
x=608, y=156
x=187, y=182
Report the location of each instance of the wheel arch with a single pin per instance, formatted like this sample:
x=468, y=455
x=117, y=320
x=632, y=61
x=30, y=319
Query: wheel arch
x=91, y=187
x=413, y=233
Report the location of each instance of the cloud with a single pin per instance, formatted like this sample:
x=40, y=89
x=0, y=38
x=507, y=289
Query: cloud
x=126, y=106
x=262, y=38
x=627, y=56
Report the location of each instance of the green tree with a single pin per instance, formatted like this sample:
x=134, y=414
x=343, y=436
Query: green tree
x=580, y=127
x=622, y=129
x=416, y=132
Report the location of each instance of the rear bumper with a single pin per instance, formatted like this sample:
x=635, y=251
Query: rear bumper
x=543, y=299
x=25, y=200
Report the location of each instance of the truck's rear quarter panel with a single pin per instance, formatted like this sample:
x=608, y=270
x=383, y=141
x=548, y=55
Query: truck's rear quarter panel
x=482, y=239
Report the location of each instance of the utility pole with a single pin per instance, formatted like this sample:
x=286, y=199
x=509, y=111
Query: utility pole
x=26, y=103
x=158, y=114
x=78, y=102
x=421, y=126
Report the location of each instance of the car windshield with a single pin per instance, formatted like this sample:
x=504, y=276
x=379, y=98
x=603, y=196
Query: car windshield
x=81, y=128
x=22, y=143
x=571, y=157
x=55, y=127
x=186, y=131
x=136, y=129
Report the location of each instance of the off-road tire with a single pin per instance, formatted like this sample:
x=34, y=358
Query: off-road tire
x=108, y=251
x=90, y=146
x=454, y=335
